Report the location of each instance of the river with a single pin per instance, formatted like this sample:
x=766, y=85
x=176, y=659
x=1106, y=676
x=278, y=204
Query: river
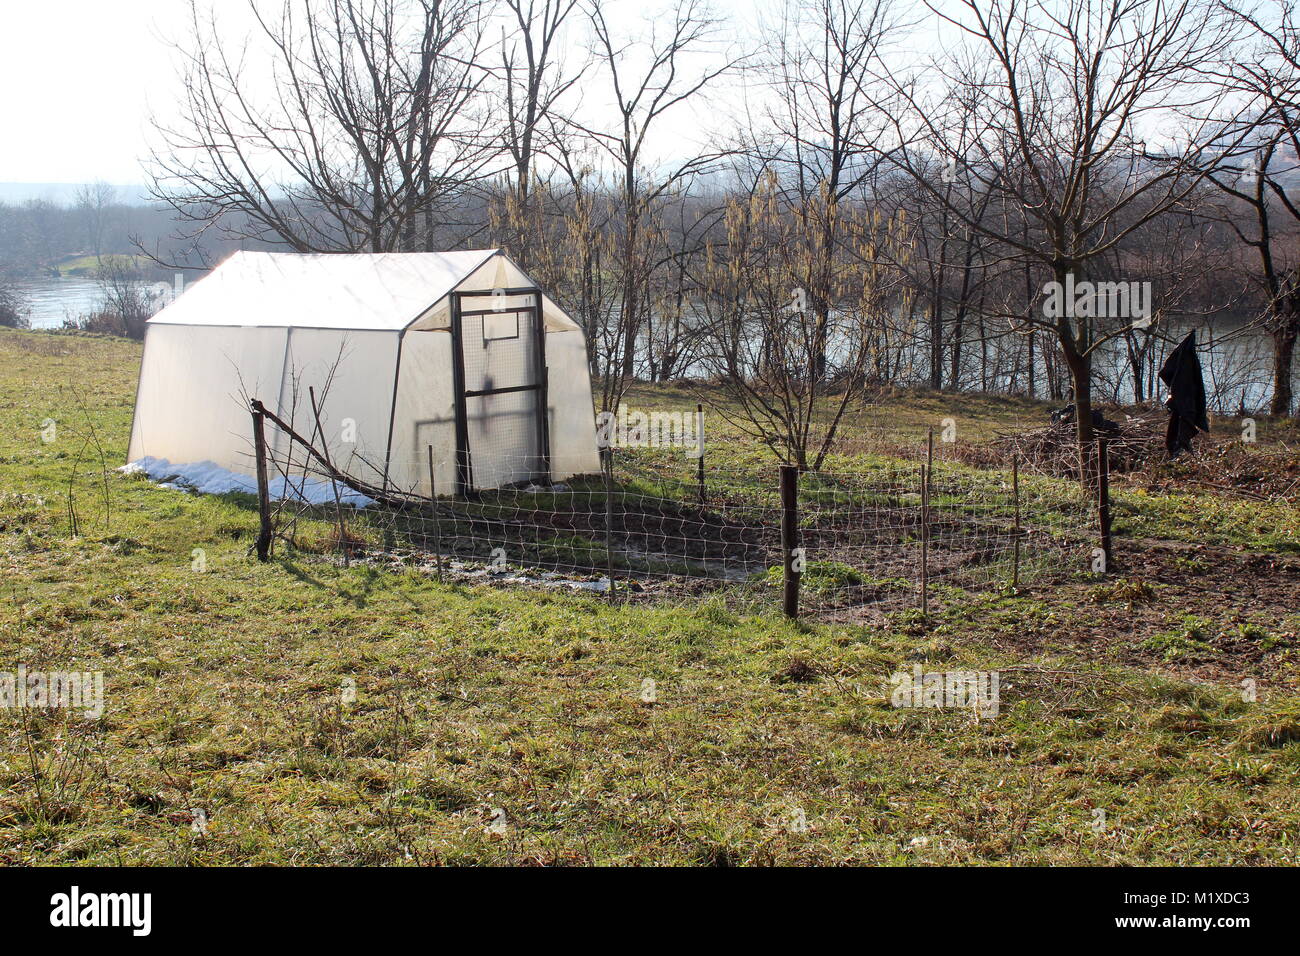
x=1236, y=362
x=53, y=301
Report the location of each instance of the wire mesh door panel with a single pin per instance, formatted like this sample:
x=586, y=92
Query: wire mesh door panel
x=503, y=440
x=503, y=395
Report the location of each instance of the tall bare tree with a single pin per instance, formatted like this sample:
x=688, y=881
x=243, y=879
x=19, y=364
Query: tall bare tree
x=1269, y=75
x=765, y=345
x=647, y=78
x=1072, y=91
x=533, y=80
x=94, y=202
x=822, y=123
x=340, y=125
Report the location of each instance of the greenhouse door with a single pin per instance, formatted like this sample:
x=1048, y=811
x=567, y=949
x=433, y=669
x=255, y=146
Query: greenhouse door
x=499, y=359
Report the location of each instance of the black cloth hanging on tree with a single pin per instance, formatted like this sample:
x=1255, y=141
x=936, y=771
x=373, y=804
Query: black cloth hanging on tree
x=1181, y=374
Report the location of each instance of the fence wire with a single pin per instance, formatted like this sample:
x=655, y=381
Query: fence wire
x=654, y=526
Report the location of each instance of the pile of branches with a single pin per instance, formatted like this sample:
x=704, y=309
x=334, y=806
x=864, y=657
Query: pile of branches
x=1133, y=442
x=1229, y=466
x=1219, y=462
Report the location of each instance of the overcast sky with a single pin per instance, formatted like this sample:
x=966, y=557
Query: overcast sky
x=80, y=78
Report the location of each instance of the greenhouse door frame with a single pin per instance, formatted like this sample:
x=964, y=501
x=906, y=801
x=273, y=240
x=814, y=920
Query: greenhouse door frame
x=464, y=454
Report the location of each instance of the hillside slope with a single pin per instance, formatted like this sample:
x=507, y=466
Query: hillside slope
x=300, y=712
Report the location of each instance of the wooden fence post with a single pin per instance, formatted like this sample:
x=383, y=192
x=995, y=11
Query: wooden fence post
x=929, y=459
x=609, y=521
x=925, y=540
x=264, y=533
x=790, y=539
x=699, y=441
x=1103, y=498
x=927, y=472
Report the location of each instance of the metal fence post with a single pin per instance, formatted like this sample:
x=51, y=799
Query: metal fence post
x=790, y=539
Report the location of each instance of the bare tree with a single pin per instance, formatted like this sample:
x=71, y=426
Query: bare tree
x=822, y=124
x=533, y=81
x=765, y=345
x=1071, y=91
x=1269, y=75
x=369, y=124
x=576, y=264
x=948, y=266
x=646, y=82
x=13, y=305
x=126, y=301
x=94, y=202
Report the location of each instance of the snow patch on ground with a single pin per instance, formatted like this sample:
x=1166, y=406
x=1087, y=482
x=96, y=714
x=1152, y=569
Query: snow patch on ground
x=208, y=478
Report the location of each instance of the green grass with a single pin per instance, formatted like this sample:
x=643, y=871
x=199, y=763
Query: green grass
x=227, y=693
x=1192, y=637
x=1203, y=518
x=87, y=266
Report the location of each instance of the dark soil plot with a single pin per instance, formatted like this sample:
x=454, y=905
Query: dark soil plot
x=1191, y=611
x=866, y=540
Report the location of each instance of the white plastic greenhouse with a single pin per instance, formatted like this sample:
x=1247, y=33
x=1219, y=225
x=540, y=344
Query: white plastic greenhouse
x=458, y=351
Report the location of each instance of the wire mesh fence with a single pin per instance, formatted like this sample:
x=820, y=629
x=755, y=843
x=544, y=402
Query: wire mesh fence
x=656, y=525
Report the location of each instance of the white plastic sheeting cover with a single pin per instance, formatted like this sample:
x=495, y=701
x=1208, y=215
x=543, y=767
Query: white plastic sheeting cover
x=362, y=291
x=343, y=291
x=270, y=326
x=207, y=478
x=191, y=405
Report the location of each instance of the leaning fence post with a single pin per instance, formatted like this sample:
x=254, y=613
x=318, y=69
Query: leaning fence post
x=1015, y=499
x=699, y=444
x=790, y=539
x=609, y=521
x=1103, y=497
x=437, y=518
x=263, y=489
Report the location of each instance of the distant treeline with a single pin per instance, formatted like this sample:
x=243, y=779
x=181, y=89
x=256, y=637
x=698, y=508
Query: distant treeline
x=45, y=237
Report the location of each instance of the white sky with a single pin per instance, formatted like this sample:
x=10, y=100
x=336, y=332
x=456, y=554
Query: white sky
x=79, y=79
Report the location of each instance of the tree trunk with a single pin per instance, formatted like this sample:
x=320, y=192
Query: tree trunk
x=958, y=330
x=1284, y=340
x=936, y=343
x=1081, y=378
x=821, y=329
x=1033, y=390
x=631, y=301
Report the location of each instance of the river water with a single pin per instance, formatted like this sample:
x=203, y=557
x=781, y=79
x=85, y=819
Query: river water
x=1236, y=365
x=1236, y=361
x=53, y=301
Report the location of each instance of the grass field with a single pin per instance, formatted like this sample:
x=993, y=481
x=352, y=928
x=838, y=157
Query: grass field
x=300, y=712
x=87, y=266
